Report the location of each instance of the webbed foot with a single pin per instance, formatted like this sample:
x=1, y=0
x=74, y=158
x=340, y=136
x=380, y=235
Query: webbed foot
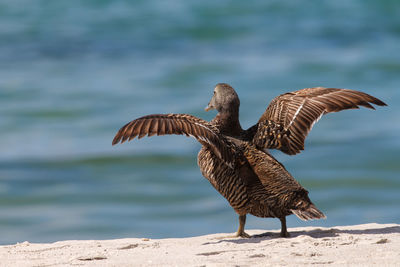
x=242, y=234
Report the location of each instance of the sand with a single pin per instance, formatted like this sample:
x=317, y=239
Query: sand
x=367, y=244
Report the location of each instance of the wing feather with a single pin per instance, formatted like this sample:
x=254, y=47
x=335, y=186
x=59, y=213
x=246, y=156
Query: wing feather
x=298, y=111
x=161, y=127
x=179, y=124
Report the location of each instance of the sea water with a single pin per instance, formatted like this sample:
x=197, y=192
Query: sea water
x=73, y=72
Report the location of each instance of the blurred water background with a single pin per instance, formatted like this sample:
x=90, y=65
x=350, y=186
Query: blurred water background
x=73, y=72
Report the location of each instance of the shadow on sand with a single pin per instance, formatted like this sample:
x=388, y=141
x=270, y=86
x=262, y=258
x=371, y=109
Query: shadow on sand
x=315, y=233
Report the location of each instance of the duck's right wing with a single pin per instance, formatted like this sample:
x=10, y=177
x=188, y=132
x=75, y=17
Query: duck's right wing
x=289, y=118
x=179, y=124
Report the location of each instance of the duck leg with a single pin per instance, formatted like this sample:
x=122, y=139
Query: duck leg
x=240, y=232
x=284, y=232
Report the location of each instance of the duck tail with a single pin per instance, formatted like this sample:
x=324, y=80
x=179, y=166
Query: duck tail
x=309, y=213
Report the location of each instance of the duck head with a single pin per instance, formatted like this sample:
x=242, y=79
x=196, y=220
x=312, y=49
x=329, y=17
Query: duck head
x=224, y=99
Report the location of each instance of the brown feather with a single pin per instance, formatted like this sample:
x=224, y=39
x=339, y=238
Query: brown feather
x=298, y=111
x=161, y=128
x=233, y=160
x=178, y=124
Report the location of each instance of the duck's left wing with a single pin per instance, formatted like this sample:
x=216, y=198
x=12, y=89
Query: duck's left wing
x=289, y=117
x=179, y=124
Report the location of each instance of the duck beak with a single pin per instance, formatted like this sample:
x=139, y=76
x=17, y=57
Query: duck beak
x=208, y=108
x=210, y=105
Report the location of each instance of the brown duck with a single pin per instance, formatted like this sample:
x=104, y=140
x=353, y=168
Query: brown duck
x=236, y=161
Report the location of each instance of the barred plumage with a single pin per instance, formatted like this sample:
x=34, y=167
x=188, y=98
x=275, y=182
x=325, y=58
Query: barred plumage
x=179, y=124
x=236, y=162
x=225, y=180
x=270, y=134
x=298, y=111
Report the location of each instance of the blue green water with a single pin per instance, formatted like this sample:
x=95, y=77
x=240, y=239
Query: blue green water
x=73, y=72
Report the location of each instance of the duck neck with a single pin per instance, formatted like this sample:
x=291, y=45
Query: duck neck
x=228, y=123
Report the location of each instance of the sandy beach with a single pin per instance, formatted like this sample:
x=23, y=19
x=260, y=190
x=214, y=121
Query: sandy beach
x=367, y=244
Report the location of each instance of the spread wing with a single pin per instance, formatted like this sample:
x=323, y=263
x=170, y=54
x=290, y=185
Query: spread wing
x=289, y=117
x=179, y=124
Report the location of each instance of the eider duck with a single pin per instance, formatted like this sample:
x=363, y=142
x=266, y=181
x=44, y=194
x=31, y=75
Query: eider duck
x=236, y=162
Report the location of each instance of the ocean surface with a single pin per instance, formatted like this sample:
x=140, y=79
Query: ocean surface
x=73, y=72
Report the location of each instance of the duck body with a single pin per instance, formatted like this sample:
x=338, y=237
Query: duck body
x=237, y=163
x=259, y=186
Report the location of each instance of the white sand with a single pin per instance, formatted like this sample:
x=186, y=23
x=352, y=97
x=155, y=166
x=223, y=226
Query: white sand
x=368, y=244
